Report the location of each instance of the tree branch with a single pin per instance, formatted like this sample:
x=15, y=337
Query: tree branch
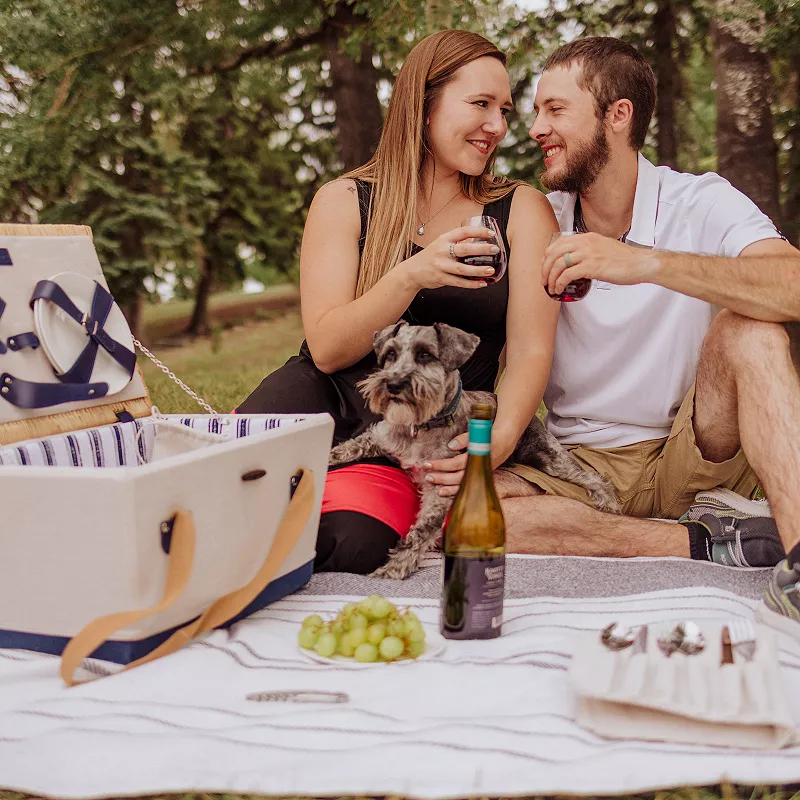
x=343, y=18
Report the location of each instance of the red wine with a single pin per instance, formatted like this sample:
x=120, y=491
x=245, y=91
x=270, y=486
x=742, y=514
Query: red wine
x=497, y=261
x=576, y=290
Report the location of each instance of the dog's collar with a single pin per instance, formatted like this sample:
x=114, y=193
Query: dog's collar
x=445, y=417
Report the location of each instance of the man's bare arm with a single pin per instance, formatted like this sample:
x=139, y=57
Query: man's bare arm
x=762, y=283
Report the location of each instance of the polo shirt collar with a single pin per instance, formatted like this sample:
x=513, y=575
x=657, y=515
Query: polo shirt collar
x=645, y=207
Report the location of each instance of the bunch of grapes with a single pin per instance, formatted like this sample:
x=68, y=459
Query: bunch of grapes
x=371, y=630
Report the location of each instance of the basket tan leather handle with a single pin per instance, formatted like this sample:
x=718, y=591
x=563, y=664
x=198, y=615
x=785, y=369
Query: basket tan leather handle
x=179, y=570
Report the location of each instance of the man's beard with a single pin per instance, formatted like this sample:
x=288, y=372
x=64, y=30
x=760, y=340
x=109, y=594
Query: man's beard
x=582, y=167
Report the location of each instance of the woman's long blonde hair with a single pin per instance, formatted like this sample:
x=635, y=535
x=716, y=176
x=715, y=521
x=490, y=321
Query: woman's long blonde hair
x=395, y=169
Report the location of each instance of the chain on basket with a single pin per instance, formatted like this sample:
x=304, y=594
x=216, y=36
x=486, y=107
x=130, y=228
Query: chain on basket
x=170, y=374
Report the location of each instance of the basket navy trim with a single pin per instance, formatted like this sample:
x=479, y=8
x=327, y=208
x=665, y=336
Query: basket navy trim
x=93, y=322
x=120, y=652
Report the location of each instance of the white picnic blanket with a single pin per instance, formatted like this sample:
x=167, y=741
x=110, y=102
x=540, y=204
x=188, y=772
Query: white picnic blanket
x=483, y=719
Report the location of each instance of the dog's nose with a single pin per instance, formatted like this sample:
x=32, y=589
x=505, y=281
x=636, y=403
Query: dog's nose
x=395, y=387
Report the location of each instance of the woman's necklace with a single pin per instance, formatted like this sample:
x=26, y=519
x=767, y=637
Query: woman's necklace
x=421, y=229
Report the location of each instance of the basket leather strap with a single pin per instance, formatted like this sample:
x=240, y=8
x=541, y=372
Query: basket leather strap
x=30, y=394
x=181, y=558
x=93, y=322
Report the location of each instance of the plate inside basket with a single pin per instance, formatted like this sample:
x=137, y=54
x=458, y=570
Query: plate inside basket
x=435, y=644
x=63, y=340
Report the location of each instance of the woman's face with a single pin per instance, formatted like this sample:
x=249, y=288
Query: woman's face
x=468, y=120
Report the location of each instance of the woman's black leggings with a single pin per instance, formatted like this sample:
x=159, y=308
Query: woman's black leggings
x=349, y=541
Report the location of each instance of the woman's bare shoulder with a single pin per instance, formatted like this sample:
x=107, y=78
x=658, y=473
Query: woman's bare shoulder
x=337, y=191
x=336, y=200
x=526, y=194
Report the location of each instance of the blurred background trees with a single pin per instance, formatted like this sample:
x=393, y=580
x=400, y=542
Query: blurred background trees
x=192, y=134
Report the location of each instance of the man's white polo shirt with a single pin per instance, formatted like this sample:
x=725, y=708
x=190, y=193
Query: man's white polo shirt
x=625, y=356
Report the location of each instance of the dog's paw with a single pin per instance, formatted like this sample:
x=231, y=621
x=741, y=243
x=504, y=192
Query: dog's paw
x=606, y=501
x=393, y=571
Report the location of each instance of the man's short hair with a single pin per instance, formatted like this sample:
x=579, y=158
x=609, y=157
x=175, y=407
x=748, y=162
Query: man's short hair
x=612, y=70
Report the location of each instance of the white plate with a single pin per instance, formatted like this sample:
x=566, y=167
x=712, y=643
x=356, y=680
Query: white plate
x=434, y=645
x=63, y=339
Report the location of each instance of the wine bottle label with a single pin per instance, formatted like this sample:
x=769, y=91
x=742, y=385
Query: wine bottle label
x=472, y=600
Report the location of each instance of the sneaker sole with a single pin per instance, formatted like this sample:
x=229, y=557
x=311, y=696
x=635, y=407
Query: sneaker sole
x=778, y=621
x=725, y=498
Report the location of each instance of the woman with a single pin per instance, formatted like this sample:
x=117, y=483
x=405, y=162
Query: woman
x=378, y=246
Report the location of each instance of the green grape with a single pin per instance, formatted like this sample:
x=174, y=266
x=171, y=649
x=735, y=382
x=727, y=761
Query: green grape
x=337, y=627
x=358, y=620
x=415, y=633
x=356, y=637
x=410, y=616
x=348, y=608
x=345, y=647
x=415, y=649
x=381, y=607
x=307, y=638
x=396, y=627
x=391, y=648
x=366, y=653
x=326, y=645
x=375, y=633
x=314, y=621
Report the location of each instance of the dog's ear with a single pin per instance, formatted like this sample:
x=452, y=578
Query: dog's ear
x=455, y=345
x=382, y=336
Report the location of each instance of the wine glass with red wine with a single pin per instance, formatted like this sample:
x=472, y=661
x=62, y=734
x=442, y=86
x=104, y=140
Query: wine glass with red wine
x=575, y=290
x=498, y=261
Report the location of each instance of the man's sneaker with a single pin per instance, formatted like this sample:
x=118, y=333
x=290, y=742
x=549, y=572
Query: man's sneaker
x=780, y=607
x=732, y=530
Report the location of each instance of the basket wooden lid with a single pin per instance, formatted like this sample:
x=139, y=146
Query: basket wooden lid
x=40, y=258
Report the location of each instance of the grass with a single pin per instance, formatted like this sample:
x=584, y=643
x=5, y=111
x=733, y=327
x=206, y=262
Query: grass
x=226, y=367
x=170, y=319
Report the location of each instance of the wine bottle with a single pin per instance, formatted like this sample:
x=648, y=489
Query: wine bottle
x=474, y=544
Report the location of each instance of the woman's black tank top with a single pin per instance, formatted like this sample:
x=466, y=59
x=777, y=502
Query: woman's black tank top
x=482, y=311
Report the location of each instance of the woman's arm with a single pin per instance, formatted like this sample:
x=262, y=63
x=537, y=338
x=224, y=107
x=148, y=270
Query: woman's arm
x=338, y=326
x=530, y=336
x=530, y=323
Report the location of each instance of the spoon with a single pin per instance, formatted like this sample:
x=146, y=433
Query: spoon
x=618, y=637
x=692, y=639
x=685, y=637
x=669, y=643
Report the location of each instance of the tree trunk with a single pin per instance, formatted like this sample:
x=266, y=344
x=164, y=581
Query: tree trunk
x=791, y=209
x=355, y=92
x=133, y=311
x=748, y=155
x=199, y=324
x=667, y=82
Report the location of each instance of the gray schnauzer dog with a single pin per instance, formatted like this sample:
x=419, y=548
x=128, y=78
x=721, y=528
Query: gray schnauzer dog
x=417, y=390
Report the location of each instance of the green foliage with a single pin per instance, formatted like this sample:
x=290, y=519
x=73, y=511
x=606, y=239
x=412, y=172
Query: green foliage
x=192, y=135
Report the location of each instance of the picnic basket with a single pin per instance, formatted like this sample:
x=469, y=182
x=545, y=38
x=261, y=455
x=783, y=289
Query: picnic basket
x=127, y=533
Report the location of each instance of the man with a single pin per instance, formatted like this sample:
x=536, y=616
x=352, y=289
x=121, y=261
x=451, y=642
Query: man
x=648, y=385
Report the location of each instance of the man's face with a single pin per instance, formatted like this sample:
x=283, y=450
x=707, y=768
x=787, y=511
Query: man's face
x=567, y=129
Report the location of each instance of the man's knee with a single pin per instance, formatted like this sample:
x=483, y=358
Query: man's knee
x=735, y=342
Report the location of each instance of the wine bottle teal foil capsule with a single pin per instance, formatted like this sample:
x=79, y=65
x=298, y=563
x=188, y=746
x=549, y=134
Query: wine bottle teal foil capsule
x=474, y=544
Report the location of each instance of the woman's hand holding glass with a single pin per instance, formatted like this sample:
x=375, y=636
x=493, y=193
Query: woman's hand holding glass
x=438, y=265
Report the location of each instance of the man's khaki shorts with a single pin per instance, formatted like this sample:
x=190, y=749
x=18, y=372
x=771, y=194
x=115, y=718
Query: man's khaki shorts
x=656, y=478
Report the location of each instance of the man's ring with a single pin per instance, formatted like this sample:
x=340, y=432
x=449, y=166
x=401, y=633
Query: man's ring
x=453, y=250
x=568, y=260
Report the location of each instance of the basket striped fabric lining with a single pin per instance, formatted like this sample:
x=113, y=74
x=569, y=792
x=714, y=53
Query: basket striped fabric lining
x=126, y=443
